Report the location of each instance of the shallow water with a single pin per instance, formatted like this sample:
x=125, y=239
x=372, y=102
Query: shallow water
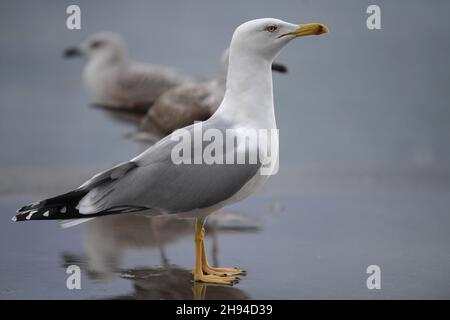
x=364, y=176
x=313, y=245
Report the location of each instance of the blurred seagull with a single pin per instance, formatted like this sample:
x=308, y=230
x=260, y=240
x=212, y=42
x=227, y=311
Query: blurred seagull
x=152, y=183
x=191, y=101
x=113, y=81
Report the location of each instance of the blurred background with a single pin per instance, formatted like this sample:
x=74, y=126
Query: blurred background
x=364, y=174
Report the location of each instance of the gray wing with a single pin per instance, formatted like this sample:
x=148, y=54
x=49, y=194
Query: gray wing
x=182, y=105
x=143, y=84
x=152, y=180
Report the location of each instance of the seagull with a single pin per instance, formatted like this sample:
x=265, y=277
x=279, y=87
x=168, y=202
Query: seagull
x=192, y=101
x=154, y=184
x=115, y=82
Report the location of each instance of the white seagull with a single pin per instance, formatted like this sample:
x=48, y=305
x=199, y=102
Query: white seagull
x=152, y=183
x=113, y=81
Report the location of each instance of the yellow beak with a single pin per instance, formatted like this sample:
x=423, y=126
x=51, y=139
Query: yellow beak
x=308, y=30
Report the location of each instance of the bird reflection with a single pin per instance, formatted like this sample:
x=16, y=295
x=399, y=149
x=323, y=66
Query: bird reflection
x=175, y=283
x=108, y=239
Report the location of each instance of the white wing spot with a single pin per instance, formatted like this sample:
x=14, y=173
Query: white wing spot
x=46, y=213
x=63, y=210
x=30, y=214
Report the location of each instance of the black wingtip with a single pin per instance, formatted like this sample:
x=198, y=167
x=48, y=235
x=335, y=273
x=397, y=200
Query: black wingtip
x=31, y=206
x=23, y=216
x=22, y=209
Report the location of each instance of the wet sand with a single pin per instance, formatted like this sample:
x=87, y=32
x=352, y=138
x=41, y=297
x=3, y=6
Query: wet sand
x=305, y=246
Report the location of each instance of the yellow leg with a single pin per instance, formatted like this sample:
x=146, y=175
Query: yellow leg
x=199, y=275
x=217, y=271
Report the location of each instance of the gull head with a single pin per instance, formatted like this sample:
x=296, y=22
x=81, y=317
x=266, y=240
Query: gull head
x=266, y=37
x=104, y=46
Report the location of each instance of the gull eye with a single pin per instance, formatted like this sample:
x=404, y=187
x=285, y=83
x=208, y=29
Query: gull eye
x=271, y=28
